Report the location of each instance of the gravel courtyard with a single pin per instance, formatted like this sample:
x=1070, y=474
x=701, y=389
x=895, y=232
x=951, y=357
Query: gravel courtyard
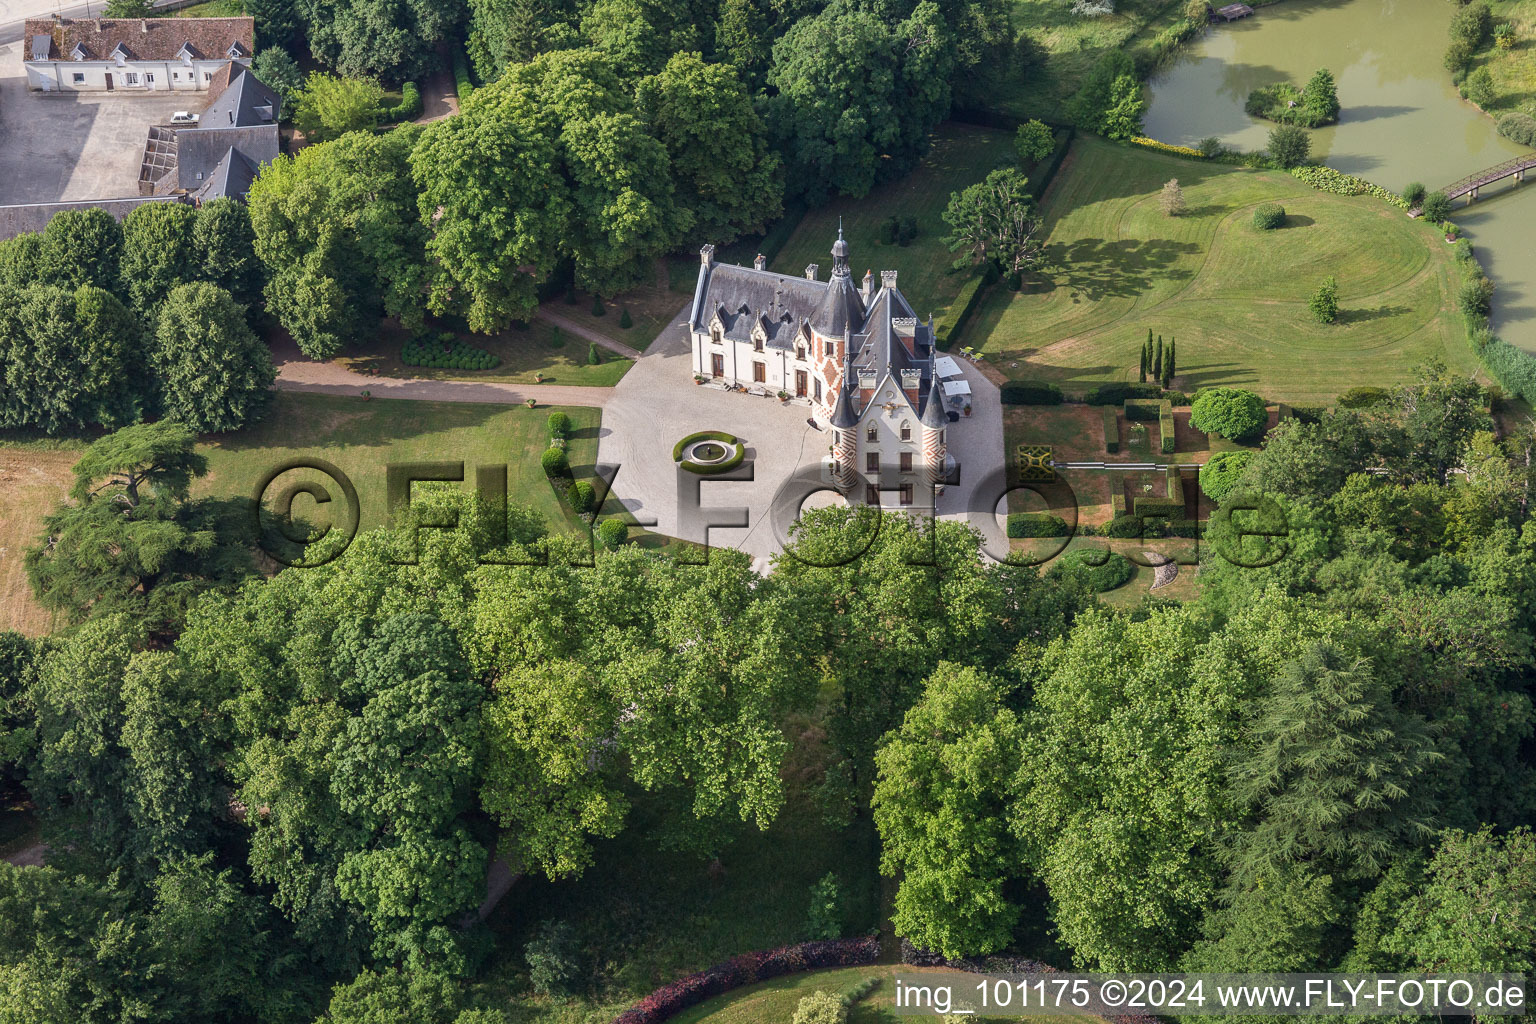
x=77, y=145
x=657, y=403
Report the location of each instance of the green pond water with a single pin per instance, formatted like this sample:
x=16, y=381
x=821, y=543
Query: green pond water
x=1402, y=119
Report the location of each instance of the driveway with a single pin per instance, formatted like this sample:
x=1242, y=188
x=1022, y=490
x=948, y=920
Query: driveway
x=75, y=145
x=657, y=403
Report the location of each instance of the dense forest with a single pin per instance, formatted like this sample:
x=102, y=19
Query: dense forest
x=269, y=798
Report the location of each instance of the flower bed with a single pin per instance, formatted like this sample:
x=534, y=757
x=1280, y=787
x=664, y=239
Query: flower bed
x=1326, y=179
x=1163, y=147
x=748, y=969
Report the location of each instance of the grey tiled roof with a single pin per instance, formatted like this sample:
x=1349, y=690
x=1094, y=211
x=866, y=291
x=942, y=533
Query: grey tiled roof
x=245, y=101
x=19, y=220
x=231, y=176
x=146, y=38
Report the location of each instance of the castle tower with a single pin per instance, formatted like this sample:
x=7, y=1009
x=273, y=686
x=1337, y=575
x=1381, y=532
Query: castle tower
x=934, y=422
x=845, y=424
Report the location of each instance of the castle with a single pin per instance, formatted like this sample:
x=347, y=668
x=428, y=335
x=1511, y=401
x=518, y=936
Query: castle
x=859, y=356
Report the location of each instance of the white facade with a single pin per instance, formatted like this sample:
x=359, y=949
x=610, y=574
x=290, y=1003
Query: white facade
x=125, y=76
x=859, y=356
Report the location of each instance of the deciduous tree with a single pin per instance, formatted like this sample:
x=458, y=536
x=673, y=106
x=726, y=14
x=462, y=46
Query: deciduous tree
x=214, y=373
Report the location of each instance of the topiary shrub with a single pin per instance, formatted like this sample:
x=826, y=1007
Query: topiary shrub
x=598, y=308
x=1269, y=216
x=1219, y=475
x=581, y=496
x=594, y=357
x=888, y=231
x=554, y=462
x=1037, y=524
x=1233, y=413
x=554, y=959
x=625, y=320
x=821, y=1008
x=612, y=533
x=906, y=230
x=444, y=351
x=559, y=425
x=1030, y=392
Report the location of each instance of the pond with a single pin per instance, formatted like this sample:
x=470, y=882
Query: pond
x=1402, y=119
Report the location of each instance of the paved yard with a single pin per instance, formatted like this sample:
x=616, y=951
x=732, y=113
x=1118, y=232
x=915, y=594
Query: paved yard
x=657, y=403
x=77, y=146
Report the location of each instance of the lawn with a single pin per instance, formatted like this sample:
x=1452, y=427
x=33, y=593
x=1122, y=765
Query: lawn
x=525, y=352
x=364, y=438
x=1234, y=297
x=208, y=9
x=652, y=308
x=1064, y=47
x=961, y=155
x=1514, y=69
x=34, y=477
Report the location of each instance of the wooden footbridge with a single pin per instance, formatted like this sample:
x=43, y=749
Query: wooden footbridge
x=1469, y=185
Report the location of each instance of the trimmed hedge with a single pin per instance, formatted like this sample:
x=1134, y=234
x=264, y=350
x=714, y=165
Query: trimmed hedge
x=446, y=352
x=1117, y=503
x=612, y=532
x=554, y=462
x=702, y=435
x=1166, y=425
x=749, y=969
x=1037, y=524
x=1030, y=392
x=948, y=326
x=1364, y=398
x=581, y=496
x=1115, y=571
x=1143, y=410
x=1111, y=429
x=409, y=107
x=1116, y=392
x=461, y=80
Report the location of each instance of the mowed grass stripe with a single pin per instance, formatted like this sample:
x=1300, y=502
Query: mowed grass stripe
x=1234, y=296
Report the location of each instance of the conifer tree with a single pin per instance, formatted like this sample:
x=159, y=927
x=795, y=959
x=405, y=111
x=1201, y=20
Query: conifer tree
x=1157, y=359
x=1168, y=363
x=1143, y=364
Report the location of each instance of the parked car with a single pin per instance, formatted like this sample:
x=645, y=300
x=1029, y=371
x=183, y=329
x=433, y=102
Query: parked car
x=185, y=117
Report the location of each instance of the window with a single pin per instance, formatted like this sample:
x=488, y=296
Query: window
x=800, y=352
x=906, y=494
x=759, y=372
x=79, y=78
x=714, y=334
x=906, y=431
x=873, y=433
x=757, y=344
x=816, y=384
x=149, y=79
x=872, y=462
x=207, y=76
x=906, y=462
x=941, y=437
x=871, y=494
x=175, y=76
x=133, y=79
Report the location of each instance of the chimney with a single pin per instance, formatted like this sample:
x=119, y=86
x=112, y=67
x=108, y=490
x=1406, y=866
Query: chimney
x=707, y=256
x=761, y=263
x=888, y=279
x=869, y=285
x=810, y=272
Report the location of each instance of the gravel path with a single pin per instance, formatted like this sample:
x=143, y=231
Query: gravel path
x=548, y=315
x=296, y=373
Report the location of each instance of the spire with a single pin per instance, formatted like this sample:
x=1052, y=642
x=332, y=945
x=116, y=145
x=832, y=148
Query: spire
x=844, y=416
x=840, y=253
x=933, y=412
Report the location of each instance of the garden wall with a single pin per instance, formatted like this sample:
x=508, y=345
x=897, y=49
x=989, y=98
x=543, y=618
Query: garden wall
x=748, y=969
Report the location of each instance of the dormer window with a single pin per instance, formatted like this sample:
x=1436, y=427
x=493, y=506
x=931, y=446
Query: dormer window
x=873, y=433
x=78, y=53
x=715, y=334
x=800, y=352
x=906, y=431
x=235, y=50
x=186, y=53
x=757, y=342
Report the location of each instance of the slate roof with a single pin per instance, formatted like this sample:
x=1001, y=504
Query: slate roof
x=143, y=38
x=199, y=151
x=239, y=100
x=31, y=217
x=231, y=176
x=885, y=338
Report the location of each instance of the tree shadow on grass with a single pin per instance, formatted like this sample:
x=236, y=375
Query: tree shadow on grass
x=1216, y=373
x=1360, y=316
x=1098, y=268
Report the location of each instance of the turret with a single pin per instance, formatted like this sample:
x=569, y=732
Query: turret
x=934, y=421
